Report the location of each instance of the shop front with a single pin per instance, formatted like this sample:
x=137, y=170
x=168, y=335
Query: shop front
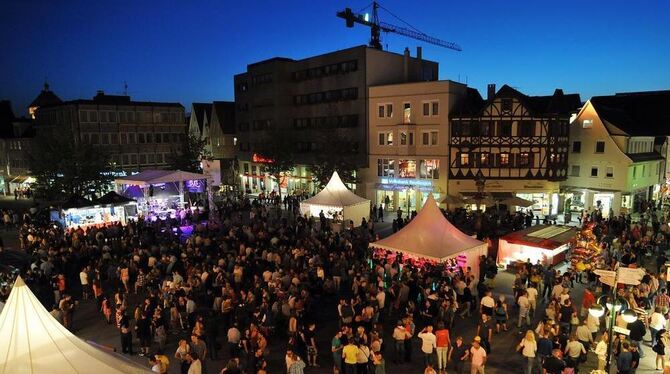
x=543, y=194
x=404, y=194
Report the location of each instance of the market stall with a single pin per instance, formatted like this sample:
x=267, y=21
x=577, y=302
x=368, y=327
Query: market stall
x=431, y=237
x=546, y=243
x=160, y=194
x=80, y=212
x=337, y=202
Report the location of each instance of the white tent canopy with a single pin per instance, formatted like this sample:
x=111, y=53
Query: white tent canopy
x=337, y=197
x=431, y=236
x=149, y=177
x=34, y=342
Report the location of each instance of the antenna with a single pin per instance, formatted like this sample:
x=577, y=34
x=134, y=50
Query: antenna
x=125, y=88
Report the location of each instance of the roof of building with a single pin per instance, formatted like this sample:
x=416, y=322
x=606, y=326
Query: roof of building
x=46, y=97
x=225, y=112
x=202, y=111
x=646, y=156
x=6, y=119
x=103, y=99
x=636, y=113
x=557, y=104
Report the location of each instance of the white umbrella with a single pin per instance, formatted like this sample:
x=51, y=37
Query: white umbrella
x=517, y=201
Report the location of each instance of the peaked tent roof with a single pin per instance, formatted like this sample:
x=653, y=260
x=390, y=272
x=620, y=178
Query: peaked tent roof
x=148, y=177
x=202, y=112
x=34, y=342
x=429, y=235
x=112, y=198
x=76, y=201
x=335, y=194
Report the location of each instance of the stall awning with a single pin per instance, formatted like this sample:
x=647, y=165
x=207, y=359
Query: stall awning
x=19, y=179
x=113, y=198
x=542, y=236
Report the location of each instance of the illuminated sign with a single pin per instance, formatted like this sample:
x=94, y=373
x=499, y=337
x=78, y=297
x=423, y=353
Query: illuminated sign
x=195, y=185
x=260, y=159
x=407, y=182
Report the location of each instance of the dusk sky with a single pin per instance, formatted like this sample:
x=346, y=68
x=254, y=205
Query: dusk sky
x=188, y=51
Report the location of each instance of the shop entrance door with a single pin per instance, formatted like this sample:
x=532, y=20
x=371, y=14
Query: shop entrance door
x=603, y=202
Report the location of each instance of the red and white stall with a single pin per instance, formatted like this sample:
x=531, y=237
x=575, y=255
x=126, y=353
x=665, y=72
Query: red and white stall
x=547, y=243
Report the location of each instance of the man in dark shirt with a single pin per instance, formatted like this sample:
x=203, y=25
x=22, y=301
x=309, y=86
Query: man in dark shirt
x=564, y=317
x=637, y=331
x=554, y=364
x=459, y=354
x=625, y=361
x=544, y=347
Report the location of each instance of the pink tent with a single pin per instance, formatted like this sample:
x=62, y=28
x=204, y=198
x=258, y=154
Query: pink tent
x=431, y=236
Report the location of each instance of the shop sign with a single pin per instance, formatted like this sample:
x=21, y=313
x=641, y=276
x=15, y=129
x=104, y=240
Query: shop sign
x=407, y=182
x=260, y=159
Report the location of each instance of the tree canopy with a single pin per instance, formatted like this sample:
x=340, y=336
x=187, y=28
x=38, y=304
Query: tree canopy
x=188, y=157
x=63, y=167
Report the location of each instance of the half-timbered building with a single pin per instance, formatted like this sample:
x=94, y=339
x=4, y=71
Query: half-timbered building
x=517, y=144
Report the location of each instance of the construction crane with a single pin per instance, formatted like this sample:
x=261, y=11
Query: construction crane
x=376, y=27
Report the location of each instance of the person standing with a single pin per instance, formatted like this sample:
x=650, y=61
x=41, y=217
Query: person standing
x=657, y=322
x=573, y=352
x=554, y=364
x=399, y=335
x=336, y=347
x=195, y=366
x=625, y=360
x=601, y=351
x=637, y=332
x=459, y=354
x=126, y=334
x=200, y=349
x=350, y=355
x=181, y=354
x=428, y=344
x=524, y=310
x=528, y=348
x=442, y=342
x=478, y=357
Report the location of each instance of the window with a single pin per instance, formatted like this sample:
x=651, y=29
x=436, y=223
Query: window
x=600, y=146
x=93, y=116
x=132, y=138
x=411, y=138
x=150, y=138
x=504, y=159
x=429, y=169
x=587, y=123
x=112, y=117
x=141, y=138
x=389, y=110
x=151, y=158
x=125, y=159
x=465, y=159
x=433, y=138
x=407, y=169
x=609, y=172
x=574, y=171
x=425, y=138
x=486, y=129
x=527, y=129
x=95, y=139
x=505, y=128
x=133, y=159
x=382, y=138
x=83, y=116
x=431, y=108
x=143, y=159
x=407, y=113
x=385, y=167
x=389, y=138
x=506, y=105
x=524, y=159
x=484, y=159
x=576, y=146
x=644, y=171
x=381, y=111
x=104, y=138
x=594, y=171
x=403, y=138
x=386, y=138
x=634, y=172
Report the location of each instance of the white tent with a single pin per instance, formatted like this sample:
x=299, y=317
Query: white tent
x=34, y=342
x=336, y=198
x=431, y=236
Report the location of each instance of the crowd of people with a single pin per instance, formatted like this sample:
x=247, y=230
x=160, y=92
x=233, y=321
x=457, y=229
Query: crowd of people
x=257, y=278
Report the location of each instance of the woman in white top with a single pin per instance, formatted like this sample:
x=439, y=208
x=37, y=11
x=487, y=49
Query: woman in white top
x=528, y=348
x=181, y=354
x=601, y=351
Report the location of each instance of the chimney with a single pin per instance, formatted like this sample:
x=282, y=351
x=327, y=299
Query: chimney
x=405, y=64
x=419, y=53
x=490, y=91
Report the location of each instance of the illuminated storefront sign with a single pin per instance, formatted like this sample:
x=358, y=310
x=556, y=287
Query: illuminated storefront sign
x=260, y=159
x=407, y=182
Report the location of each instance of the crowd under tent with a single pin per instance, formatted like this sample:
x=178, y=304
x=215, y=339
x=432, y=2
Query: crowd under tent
x=160, y=193
x=35, y=342
x=432, y=237
x=338, y=203
x=547, y=243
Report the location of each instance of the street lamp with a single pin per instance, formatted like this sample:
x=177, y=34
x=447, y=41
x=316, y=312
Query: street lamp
x=480, y=184
x=615, y=305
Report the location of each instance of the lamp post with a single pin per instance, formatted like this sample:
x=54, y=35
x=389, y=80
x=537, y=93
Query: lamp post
x=615, y=305
x=480, y=184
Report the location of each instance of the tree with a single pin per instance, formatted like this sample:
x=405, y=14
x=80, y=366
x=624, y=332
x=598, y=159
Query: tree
x=278, y=149
x=189, y=156
x=334, y=157
x=63, y=167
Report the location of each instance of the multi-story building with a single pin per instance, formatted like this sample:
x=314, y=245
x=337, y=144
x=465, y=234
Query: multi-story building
x=515, y=144
x=319, y=103
x=137, y=135
x=408, y=142
x=617, y=151
x=16, y=139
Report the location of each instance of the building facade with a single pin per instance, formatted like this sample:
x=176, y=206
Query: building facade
x=408, y=142
x=617, y=152
x=16, y=141
x=137, y=135
x=320, y=103
x=516, y=144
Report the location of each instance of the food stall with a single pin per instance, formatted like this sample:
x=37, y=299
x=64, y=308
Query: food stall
x=110, y=208
x=546, y=243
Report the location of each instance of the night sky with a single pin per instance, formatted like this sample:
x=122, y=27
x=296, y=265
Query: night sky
x=188, y=51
